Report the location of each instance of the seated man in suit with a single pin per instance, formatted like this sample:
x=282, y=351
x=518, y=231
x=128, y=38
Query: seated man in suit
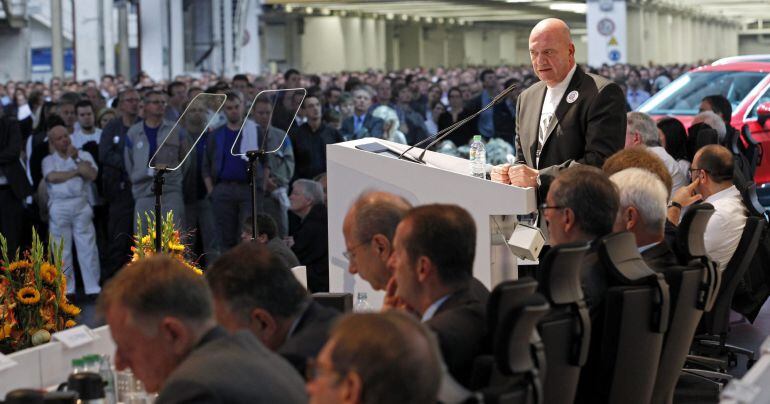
x=432, y=263
x=368, y=229
x=267, y=234
x=362, y=123
x=581, y=206
x=643, y=212
x=254, y=291
x=569, y=117
x=161, y=317
x=376, y=358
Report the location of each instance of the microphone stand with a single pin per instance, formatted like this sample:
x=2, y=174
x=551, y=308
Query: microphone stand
x=253, y=156
x=447, y=131
x=157, y=189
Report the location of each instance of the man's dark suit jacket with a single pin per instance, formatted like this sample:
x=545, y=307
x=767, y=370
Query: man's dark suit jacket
x=232, y=369
x=372, y=128
x=460, y=326
x=311, y=246
x=586, y=131
x=10, y=149
x=310, y=334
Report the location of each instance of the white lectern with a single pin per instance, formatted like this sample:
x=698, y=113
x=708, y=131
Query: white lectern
x=443, y=179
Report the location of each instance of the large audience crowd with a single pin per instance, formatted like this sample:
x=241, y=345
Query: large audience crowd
x=75, y=165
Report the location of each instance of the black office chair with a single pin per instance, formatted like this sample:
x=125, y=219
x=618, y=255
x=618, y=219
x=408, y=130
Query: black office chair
x=685, y=286
x=715, y=324
x=502, y=298
x=519, y=355
x=691, y=251
x=566, y=329
x=636, y=317
x=754, y=288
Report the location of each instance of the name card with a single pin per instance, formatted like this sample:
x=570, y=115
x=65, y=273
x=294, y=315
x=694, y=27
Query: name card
x=75, y=336
x=6, y=362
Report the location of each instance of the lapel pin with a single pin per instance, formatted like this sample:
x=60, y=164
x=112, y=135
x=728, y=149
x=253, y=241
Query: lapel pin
x=572, y=96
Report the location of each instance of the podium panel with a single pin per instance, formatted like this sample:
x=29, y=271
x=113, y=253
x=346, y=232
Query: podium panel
x=443, y=179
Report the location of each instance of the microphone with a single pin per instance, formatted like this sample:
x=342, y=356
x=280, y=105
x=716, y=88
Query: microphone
x=439, y=136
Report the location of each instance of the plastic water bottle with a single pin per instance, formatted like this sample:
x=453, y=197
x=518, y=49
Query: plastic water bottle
x=362, y=305
x=478, y=158
x=77, y=366
x=108, y=376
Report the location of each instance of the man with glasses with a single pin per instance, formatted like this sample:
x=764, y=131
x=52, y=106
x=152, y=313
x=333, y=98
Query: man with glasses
x=368, y=229
x=116, y=186
x=712, y=182
x=143, y=140
x=376, y=358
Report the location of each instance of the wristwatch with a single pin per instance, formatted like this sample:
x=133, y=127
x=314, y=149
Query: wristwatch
x=674, y=204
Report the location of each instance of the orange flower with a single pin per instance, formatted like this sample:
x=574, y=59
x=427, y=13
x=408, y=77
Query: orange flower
x=70, y=324
x=19, y=265
x=69, y=308
x=48, y=272
x=28, y=295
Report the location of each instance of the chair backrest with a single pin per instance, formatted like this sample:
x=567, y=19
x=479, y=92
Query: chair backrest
x=691, y=250
x=718, y=319
x=504, y=296
x=519, y=354
x=342, y=302
x=751, y=201
x=566, y=330
x=685, y=283
x=630, y=346
x=300, y=273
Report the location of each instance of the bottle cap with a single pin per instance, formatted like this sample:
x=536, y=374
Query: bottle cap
x=476, y=138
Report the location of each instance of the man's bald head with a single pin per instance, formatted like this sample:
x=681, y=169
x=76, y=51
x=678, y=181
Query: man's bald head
x=551, y=50
x=716, y=161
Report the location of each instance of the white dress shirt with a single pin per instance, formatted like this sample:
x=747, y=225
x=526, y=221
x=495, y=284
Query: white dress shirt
x=74, y=187
x=678, y=176
x=724, y=229
x=433, y=308
x=79, y=138
x=553, y=96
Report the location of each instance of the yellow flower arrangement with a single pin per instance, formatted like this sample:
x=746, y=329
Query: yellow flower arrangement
x=28, y=295
x=32, y=295
x=171, y=244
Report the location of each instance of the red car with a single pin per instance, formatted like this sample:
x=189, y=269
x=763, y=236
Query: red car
x=745, y=84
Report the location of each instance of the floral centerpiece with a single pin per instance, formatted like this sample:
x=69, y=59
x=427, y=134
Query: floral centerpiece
x=33, y=300
x=171, y=241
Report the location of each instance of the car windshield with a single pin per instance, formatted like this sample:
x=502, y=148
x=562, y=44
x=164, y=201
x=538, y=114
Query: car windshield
x=683, y=96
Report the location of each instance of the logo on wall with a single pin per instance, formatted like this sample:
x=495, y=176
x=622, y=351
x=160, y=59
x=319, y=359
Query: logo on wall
x=614, y=55
x=606, y=27
x=605, y=5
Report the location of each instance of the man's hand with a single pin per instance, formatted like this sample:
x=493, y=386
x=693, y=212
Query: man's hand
x=500, y=174
x=84, y=168
x=523, y=176
x=391, y=301
x=72, y=152
x=688, y=195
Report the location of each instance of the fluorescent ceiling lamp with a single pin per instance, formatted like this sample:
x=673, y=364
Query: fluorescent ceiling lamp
x=579, y=8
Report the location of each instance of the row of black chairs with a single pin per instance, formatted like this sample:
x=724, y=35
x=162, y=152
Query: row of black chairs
x=544, y=341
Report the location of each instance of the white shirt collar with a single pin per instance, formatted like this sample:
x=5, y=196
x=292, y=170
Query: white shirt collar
x=725, y=193
x=647, y=247
x=434, y=308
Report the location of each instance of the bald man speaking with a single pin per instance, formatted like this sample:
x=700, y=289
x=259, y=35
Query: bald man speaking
x=569, y=117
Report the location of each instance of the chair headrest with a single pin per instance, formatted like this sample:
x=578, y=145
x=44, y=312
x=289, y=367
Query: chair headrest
x=620, y=255
x=506, y=295
x=560, y=273
x=751, y=200
x=512, y=341
x=691, y=230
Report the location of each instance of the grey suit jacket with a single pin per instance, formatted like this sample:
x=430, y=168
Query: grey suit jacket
x=585, y=131
x=233, y=369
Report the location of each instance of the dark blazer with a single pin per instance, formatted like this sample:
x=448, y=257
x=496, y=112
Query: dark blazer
x=460, y=326
x=372, y=128
x=311, y=246
x=586, y=131
x=310, y=334
x=232, y=369
x=10, y=153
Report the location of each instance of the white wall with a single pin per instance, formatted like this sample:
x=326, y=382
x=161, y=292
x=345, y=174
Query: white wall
x=410, y=45
x=88, y=40
x=322, y=45
x=14, y=46
x=154, y=38
x=749, y=45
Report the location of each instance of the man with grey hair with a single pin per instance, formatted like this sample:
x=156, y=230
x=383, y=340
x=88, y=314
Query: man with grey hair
x=714, y=121
x=642, y=211
x=368, y=228
x=310, y=237
x=161, y=317
x=362, y=123
x=641, y=130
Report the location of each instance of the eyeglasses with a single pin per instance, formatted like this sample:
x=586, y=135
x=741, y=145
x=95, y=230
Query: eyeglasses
x=314, y=369
x=348, y=254
x=544, y=206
